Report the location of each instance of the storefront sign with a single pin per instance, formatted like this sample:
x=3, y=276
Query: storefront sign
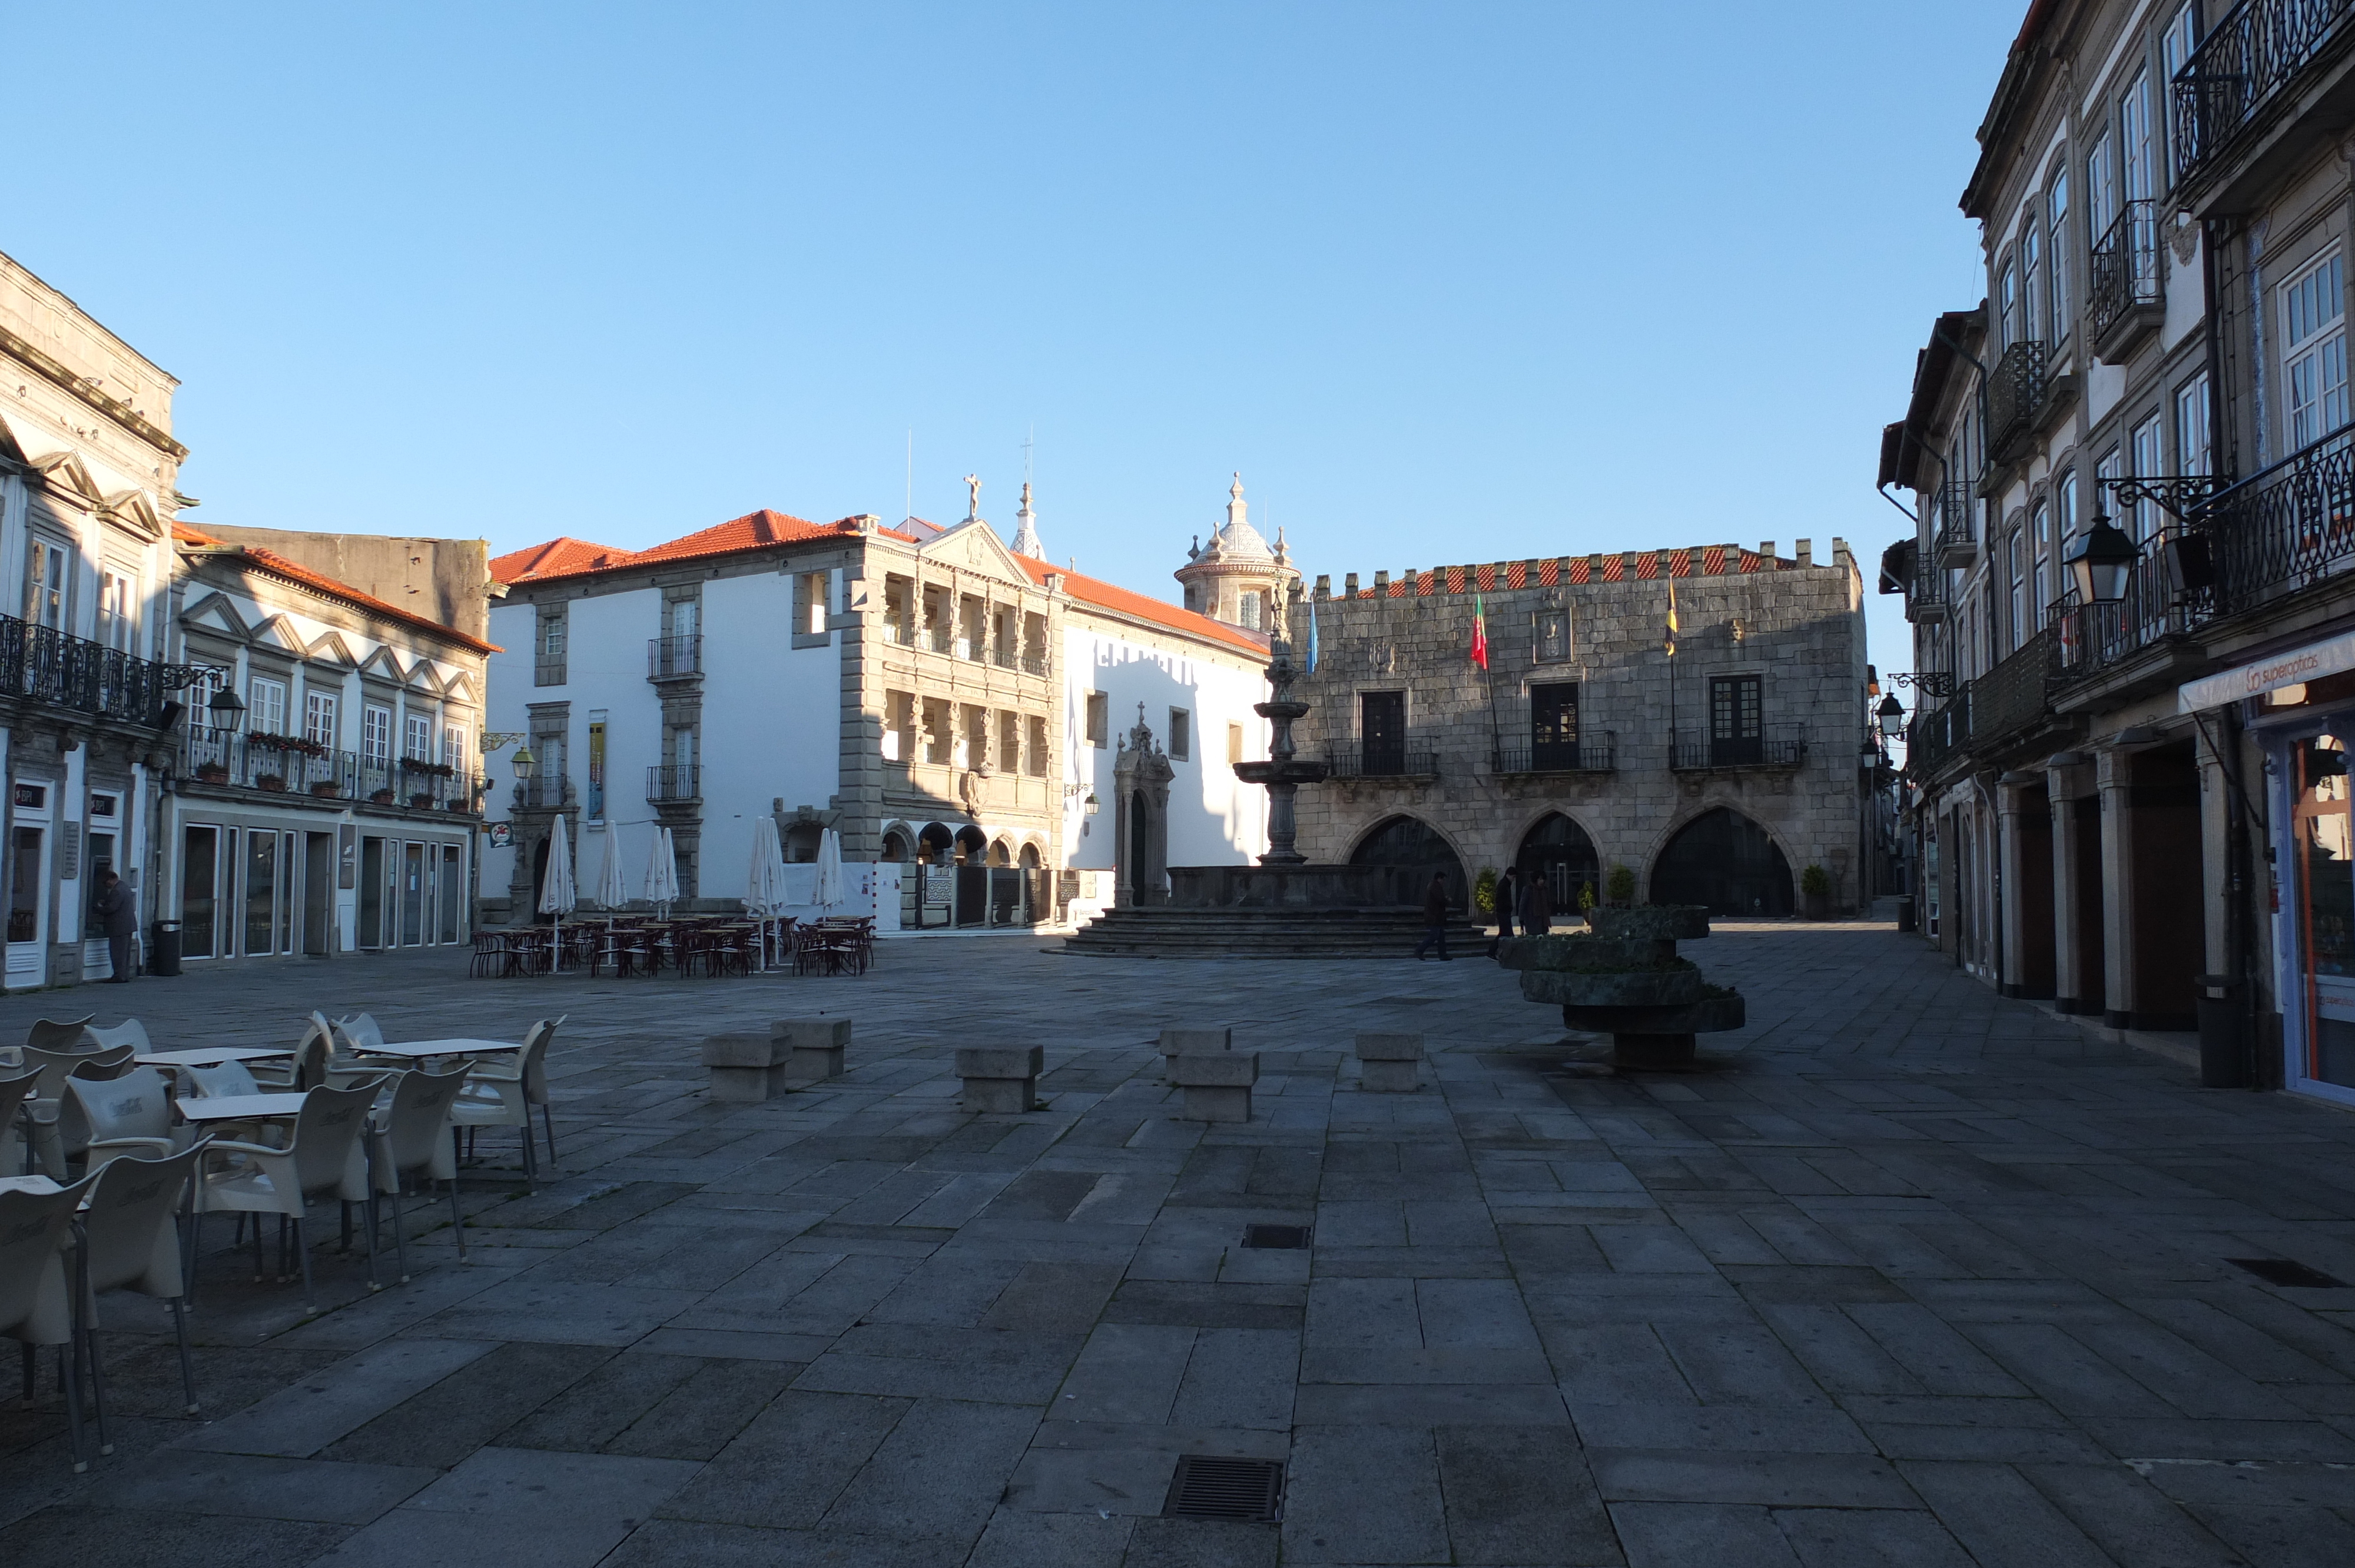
x=2308, y=663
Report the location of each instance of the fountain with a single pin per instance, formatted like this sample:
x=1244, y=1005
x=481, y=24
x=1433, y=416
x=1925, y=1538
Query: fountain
x=1282, y=772
x=1625, y=980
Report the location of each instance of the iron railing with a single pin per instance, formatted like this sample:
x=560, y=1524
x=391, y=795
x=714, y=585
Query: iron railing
x=1377, y=761
x=2245, y=61
x=673, y=658
x=268, y=763
x=1926, y=601
x=1934, y=737
x=1774, y=745
x=544, y=792
x=1596, y=753
x=2126, y=267
x=46, y=665
x=1956, y=543
x=2016, y=395
x=674, y=783
x=1038, y=665
x=2283, y=527
x=2016, y=693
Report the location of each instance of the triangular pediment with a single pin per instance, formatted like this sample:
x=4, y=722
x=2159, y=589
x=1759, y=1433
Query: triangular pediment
x=132, y=510
x=332, y=648
x=215, y=611
x=974, y=546
x=384, y=666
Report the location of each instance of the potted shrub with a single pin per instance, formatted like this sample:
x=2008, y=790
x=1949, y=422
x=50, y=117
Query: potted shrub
x=1484, y=891
x=380, y=797
x=212, y=772
x=421, y=799
x=1619, y=886
x=326, y=789
x=274, y=782
x=1816, y=892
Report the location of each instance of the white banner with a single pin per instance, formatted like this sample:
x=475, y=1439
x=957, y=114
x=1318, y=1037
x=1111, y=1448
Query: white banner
x=2308, y=663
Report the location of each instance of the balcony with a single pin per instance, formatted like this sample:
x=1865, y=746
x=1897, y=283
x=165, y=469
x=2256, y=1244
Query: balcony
x=541, y=792
x=1589, y=753
x=2242, y=69
x=286, y=765
x=1927, y=603
x=2281, y=529
x=1028, y=663
x=41, y=664
x=2020, y=396
x=2128, y=297
x=673, y=785
x=2000, y=706
x=1382, y=760
x=1775, y=745
x=1957, y=541
x=673, y=658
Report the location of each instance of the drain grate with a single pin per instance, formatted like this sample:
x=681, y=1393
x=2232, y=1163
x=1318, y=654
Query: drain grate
x=2285, y=1271
x=1281, y=1239
x=1208, y=1486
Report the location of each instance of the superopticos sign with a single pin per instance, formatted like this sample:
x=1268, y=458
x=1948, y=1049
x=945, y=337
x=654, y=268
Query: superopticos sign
x=2311, y=663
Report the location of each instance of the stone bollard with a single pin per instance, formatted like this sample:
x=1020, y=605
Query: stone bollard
x=746, y=1067
x=816, y=1045
x=1000, y=1079
x=1217, y=1084
x=1390, y=1064
x=1177, y=1042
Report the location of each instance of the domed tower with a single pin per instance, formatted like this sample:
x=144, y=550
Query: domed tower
x=1236, y=578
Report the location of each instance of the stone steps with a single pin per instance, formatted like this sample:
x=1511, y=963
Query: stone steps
x=1166, y=933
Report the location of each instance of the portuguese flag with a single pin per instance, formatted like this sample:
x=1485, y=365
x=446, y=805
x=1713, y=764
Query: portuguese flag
x=1479, y=632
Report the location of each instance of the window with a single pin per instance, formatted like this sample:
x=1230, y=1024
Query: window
x=319, y=717
x=548, y=663
x=376, y=733
x=417, y=736
x=48, y=571
x=1552, y=636
x=2105, y=474
x=2174, y=46
x=2065, y=507
x=1247, y=609
x=2314, y=352
x=899, y=726
x=2032, y=275
x=2101, y=187
x=809, y=604
x=2041, y=585
x=199, y=848
x=1009, y=742
x=1382, y=732
x=973, y=739
x=2142, y=523
x=1234, y=744
x=454, y=746
x=1736, y=711
x=1036, y=763
x=1099, y=720
x=265, y=705
x=2056, y=238
x=2007, y=294
x=939, y=721
x=2191, y=449
x=1553, y=725
x=2016, y=558
x=2133, y=137
x=1181, y=734
x=118, y=609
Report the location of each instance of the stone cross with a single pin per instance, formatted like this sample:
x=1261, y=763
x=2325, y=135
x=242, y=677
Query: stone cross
x=972, y=499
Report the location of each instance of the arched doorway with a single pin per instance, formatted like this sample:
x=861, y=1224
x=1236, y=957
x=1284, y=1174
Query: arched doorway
x=1723, y=860
x=801, y=843
x=1558, y=850
x=896, y=846
x=971, y=876
x=926, y=896
x=1411, y=847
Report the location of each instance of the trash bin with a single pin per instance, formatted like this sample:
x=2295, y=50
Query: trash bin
x=2222, y=1065
x=1905, y=914
x=163, y=951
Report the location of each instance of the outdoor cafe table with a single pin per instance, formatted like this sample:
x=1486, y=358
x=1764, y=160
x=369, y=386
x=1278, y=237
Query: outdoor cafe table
x=194, y=1057
x=35, y=1184
x=419, y=1050
x=241, y=1107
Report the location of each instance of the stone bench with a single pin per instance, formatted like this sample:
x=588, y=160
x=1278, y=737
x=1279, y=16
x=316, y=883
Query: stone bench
x=1217, y=1084
x=1176, y=1043
x=1390, y=1064
x=746, y=1067
x=1000, y=1079
x=816, y=1045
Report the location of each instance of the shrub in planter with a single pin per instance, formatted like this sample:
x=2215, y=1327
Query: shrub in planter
x=1484, y=891
x=421, y=799
x=380, y=797
x=274, y=782
x=1815, y=892
x=1619, y=887
x=326, y=789
x=211, y=773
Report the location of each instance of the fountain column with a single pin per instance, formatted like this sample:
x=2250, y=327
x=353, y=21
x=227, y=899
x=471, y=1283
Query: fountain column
x=1282, y=772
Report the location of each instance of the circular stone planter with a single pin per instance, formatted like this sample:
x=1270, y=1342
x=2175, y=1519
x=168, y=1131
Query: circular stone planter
x=1649, y=922
x=1638, y=988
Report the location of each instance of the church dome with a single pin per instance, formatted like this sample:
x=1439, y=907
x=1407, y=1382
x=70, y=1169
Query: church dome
x=1239, y=543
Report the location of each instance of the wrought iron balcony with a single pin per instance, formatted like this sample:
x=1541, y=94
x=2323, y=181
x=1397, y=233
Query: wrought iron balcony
x=2016, y=395
x=674, y=783
x=2243, y=66
x=1377, y=760
x=1956, y=543
x=1598, y=753
x=1038, y=665
x=1926, y=600
x=45, y=665
x=1933, y=738
x=673, y=658
x=1775, y=745
x=284, y=765
x=2007, y=702
x=543, y=792
x=2129, y=297
x=2281, y=529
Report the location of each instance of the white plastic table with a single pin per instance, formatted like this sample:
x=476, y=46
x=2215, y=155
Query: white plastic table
x=241, y=1107
x=195, y=1057
x=29, y=1184
x=417, y=1050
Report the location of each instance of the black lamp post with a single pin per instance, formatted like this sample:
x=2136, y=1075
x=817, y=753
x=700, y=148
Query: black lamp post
x=2099, y=561
x=1892, y=715
x=226, y=710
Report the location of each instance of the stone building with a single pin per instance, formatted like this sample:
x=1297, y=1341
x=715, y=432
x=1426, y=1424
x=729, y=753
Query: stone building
x=2135, y=804
x=1715, y=775
x=958, y=711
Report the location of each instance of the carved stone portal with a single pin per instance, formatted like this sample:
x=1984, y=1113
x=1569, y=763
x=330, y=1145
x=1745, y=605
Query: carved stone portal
x=1141, y=775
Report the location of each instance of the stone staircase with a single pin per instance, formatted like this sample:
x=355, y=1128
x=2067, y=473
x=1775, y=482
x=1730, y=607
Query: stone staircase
x=1176, y=933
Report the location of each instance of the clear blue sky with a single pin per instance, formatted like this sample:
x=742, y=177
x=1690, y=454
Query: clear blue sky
x=1447, y=282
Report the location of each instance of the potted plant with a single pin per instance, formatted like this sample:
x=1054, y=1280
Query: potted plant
x=1484, y=891
x=275, y=783
x=1619, y=886
x=326, y=789
x=1816, y=892
x=380, y=797
x=212, y=772
x=421, y=799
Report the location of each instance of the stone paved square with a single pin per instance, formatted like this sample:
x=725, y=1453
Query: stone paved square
x=1913, y=1274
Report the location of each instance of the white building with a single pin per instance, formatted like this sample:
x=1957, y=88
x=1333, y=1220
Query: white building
x=971, y=720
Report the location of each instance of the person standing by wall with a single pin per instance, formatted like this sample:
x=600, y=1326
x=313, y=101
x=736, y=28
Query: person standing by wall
x=1537, y=906
x=119, y=912
x=1435, y=917
x=1508, y=889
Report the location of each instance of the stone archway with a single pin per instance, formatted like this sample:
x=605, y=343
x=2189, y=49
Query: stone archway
x=1559, y=850
x=1416, y=849
x=1727, y=863
x=1141, y=775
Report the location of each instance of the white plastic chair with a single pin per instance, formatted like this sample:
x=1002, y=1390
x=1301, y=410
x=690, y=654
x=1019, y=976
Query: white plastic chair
x=110, y=1118
x=220, y=1080
x=307, y=1069
x=323, y=1157
x=359, y=1034
x=410, y=1137
x=130, y=1243
x=503, y=1095
x=36, y=1300
x=58, y=1035
x=130, y=1032
x=15, y=1130
x=41, y=1112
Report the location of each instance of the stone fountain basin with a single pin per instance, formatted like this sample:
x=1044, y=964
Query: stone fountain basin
x=1675, y=987
x=1649, y=922
x=1584, y=953
x=1709, y=1015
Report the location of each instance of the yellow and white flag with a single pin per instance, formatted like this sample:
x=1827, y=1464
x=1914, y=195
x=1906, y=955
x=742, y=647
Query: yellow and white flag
x=1669, y=643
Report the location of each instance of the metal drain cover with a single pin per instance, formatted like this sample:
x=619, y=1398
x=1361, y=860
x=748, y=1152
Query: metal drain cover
x=1208, y=1485
x=1284, y=1238
x=2287, y=1272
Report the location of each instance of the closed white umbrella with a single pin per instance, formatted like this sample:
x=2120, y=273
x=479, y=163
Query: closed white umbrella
x=558, y=896
x=829, y=869
x=764, y=881
x=611, y=893
x=662, y=872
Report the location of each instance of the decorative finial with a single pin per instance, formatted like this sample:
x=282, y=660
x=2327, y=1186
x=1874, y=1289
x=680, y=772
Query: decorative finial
x=1235, y=508
x=972, y=500
x=1026, y=532
x=1283, y=553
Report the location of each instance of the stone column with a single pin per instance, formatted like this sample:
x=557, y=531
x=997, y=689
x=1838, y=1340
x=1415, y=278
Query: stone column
x=2068, y=899
x=2215, y=855
x=2113, y=770
x=2010, y=938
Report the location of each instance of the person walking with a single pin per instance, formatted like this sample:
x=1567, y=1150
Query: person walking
x=1434, y=917
x=1537, y=906
x=118, y=911
x=1508, y=890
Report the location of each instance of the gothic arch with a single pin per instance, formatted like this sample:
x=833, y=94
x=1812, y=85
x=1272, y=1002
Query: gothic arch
x=1726, y=860
x=1557, y=846
x=1417, y=849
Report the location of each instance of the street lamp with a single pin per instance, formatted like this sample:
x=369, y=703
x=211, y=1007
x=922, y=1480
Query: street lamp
x=1892, y=715
x=227, y=708
x=2099, y=561
x=524, y=763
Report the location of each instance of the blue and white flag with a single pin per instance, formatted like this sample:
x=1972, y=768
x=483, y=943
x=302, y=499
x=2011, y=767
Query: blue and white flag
x=1312, y=637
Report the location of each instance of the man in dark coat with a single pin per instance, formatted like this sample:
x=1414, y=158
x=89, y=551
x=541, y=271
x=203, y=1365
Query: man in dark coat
x=1435, y=917
x=1536, y=906
x=1508, y=890
x=118, y=911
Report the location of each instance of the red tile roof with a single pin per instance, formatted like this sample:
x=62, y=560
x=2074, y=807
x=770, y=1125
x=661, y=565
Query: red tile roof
x=1700, y=560
x=271, y=561
x=1140, y=607
x=564, y=557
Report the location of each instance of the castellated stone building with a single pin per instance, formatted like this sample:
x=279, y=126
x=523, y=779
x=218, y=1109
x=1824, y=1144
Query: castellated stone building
x=1717, y=774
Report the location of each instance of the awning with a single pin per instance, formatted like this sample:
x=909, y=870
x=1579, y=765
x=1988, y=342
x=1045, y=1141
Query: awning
x=2311, y=663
